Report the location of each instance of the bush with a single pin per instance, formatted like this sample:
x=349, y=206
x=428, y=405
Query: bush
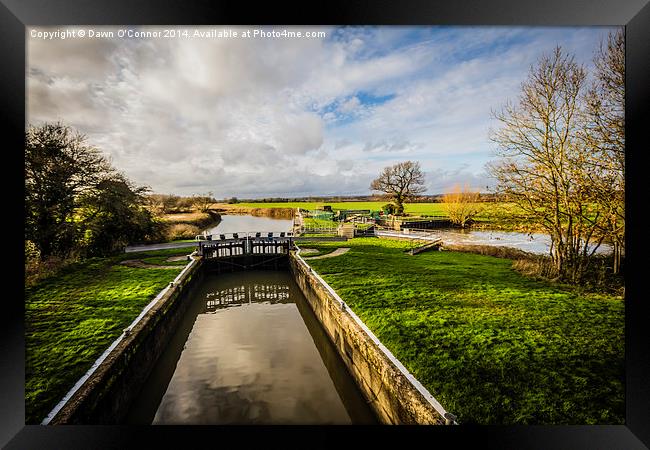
x=182, y=231
x=540, y=267
x=36, y=269
x=599, y=276
x=492, y=250
x=389, y=208
x=31, y=252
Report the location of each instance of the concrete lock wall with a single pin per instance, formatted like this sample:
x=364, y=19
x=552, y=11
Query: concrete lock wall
x=105, y=397
x=394, y=398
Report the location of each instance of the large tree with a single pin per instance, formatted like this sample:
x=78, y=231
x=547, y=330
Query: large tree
x=604, y=135
x=74, y=198
x=59, y=167
x=400, y=183
x=114, y=214
x=543, y=159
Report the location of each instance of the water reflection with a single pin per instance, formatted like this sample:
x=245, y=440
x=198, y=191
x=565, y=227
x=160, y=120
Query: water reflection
x=239, y=295
x=245, y=356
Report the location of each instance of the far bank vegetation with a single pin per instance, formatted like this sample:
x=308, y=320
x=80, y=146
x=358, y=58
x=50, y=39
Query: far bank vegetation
x=184, y=217
x=462, y=205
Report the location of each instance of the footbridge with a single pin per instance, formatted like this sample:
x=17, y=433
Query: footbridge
x=230, y=245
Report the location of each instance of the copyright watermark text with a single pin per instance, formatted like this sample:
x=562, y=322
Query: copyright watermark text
x=174, y=33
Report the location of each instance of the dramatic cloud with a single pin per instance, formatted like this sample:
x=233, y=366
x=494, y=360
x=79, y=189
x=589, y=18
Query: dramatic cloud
x=253, y=117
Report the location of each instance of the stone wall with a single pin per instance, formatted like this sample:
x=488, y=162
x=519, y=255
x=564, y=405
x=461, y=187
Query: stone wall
x=394, y=398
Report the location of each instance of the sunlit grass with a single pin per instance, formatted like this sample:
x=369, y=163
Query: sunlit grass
x=493, y=346
x=72, y=317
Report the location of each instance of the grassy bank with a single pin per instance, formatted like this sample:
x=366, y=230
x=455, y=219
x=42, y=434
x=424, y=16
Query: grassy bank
x=73, y=316
x=182, y=226
x=281, y=212
x=493, y=346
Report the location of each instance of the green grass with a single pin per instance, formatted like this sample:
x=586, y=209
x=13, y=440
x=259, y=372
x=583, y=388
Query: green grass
x=411, y=208
x=319, y=223
x=493, y=346
x=504, y=216
x=73, y=316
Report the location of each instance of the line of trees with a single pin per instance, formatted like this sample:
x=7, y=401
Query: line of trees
x=174, y=204
x=76, y=203
x=561, y=152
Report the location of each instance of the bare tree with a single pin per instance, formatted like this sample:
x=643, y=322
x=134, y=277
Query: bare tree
x=604, y=134
x=400, y=182
x=202, y=203
x=461, y=204
x=542, y=161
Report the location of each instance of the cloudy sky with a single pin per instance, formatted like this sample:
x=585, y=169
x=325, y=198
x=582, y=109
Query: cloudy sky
x=254, y=117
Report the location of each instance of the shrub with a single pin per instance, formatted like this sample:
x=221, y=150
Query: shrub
x=31, y=252
x=540, y=267
x=389, y=208
x=492, y=250
x=36, y=269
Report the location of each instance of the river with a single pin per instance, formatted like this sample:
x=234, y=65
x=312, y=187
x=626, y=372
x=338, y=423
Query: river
x=247, y=224
x=533, y=243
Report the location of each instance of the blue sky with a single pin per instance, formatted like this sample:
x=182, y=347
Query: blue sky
x=293, y=117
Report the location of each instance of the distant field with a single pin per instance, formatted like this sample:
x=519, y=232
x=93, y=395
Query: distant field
x=500, y=215
x=412, y=208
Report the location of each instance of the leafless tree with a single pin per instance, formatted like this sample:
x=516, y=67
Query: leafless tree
x=543, y=159
x=604, y=135
x=400, y=183
x=202, y=203
x=461, y=204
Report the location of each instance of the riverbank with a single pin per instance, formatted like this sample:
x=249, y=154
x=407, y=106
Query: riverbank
x=187, y=225
x=74, y=315
x=492, y=345
x=246, y=209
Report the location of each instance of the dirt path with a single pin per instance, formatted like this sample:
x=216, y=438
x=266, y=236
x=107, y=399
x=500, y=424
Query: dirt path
x=142, y=265
x=144, y=248
x=177, y=258
x=337, y=252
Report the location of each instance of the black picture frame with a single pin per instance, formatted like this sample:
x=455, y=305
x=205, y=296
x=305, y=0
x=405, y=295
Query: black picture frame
x=16, y=15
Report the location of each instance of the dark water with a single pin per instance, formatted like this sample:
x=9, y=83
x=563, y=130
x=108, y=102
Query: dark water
x=249, y=351
x=243, y=224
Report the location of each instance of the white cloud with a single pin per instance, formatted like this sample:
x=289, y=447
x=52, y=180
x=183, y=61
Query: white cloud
x=255, y=117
